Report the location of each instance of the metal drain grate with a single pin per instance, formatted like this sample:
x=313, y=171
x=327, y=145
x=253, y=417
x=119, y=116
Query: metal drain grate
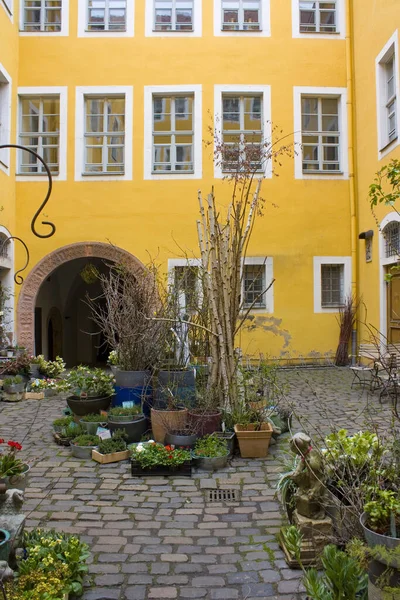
x=222, y=495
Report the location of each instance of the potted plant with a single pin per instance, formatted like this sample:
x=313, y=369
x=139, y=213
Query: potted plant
x=113, y=361
x=150, y=458
x=67, y=433
x=19, y=365
x=252, y=432
x=167, y=416
x=129, y=419
x=92, y=422
x=381, y=523
x=51, y=368
x=211, y=453
x=181, y=438
x=112, y=450
x=49, y=387
x=83, y=444
x=13, y=471
x=14, y=384
x=5, y=544
x=60, y=424
x=35, y=366
x=92, y=389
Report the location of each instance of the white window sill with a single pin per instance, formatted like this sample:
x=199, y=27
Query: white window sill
x=99, y=31
x=311, y=173
x=173, y=31
x=172, y=173
x=332, y=33
x=388, y=144
x=104, y=174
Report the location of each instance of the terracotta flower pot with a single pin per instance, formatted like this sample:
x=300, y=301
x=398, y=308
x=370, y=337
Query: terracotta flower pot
x=253, y=443
x=163, y=421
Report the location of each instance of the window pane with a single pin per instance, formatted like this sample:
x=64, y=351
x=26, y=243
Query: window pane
x=163, y=19
x=332, y=293
x=254, y=285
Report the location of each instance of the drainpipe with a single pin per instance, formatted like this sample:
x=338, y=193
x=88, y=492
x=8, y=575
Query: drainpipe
x=351, y=120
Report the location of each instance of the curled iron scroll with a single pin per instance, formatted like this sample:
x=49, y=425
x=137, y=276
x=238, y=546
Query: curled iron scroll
x=41, y=207
x=19, y=280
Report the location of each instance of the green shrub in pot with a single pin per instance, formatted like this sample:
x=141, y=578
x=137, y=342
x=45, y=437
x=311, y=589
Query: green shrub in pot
x=211, y=452
x=85, y=439
x=116, y=443
x=128, y=413
x=51, y=368
x=85, y=382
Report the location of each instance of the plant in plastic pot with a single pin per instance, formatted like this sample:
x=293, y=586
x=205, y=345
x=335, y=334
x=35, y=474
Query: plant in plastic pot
x=381, y=523
x=211, y=452
x=129, y=419
x=13, y=471
x=14, y=384
x=92, y=390
x=83, y=444
x=91, y=422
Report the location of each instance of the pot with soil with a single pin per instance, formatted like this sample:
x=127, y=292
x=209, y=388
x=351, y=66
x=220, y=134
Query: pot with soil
x=230, y=438
x=378, y=539
x=131, y=420
x=91, y=422
x=183, y=438
x=83, y=445
x=133, y=386
x=93, y=390
x=205, y=422
x=211, y=453
x=19, y=481
x=164, y=420
x=84, y=406
x=253, y=439
x=14, y=385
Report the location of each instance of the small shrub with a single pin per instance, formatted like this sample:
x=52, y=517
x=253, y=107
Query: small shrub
x=86, y=440
x=63, y=421
x=119, y=411
x=92, y=418
x=211, y=446
x=115, y=444
x=13, y=380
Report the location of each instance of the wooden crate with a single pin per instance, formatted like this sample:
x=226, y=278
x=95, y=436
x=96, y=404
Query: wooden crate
x=34, y=395
x=184, y=470
x=104, y=459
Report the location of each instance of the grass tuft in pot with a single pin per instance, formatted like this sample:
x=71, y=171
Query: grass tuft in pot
x=211, y=446
x=85, y=440
x=94, y=418
x=115, y=444
x=120, y=411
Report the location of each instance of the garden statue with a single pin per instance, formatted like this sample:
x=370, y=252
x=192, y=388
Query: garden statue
x=6, y=573
x=308, y=477
x=11, y=517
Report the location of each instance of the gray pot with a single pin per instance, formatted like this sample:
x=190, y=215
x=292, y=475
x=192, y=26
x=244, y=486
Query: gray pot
x=91, y=427
x=173, y=439
x=34, y=370
x=5, y=544
x=132, y=379
x=230, y=437
x=134, y=429
x=17, y=481
x=376, y=539
x=14, y=388
x=211, y=464
x=82, y=451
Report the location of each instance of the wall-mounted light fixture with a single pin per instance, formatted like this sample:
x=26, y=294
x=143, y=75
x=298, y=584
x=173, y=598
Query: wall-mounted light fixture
x=367, y=236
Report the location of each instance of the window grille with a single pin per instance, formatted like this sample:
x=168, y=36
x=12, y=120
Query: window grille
x=391, y=117
x=106, y=15
x=254, y=286
x=241, y=15
x=173, y=15
x=40, y=131
x=318, y=16
x=42, y=15
x=242, y=132
x=320, y=134
x=4, y=247
x=104, y=135
x=391, y=233
x=332, y=285
x=173, y=134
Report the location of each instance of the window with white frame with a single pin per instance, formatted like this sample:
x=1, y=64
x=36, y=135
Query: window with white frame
x=254, y=284
x=391, y=104
x=320, y=134
x=318, y=16
x=332, y=285
x=5, y=115
x=241, y=15
x=173, y=134
x=104, y=135
x=39, y=130
x=106, y=15
x=186, y=286
x=391, y=235
x=387, y=90
x=42, y=15
x=242, y=131
x=173, y=15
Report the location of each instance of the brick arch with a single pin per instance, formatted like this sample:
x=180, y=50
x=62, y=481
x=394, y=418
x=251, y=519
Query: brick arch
x=46, y=266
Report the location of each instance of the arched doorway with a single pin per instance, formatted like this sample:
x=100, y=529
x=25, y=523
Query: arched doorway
x=60, y=272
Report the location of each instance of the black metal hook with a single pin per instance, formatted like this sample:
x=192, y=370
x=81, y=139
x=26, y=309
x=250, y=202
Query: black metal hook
x=19, y=280
x=41, y=207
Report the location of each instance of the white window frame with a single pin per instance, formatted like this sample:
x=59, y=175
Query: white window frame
x=330, y=260
x=64, y=23
x=83, y=22
x=8, y=281
x=268, y=263
x=340, y=33
x=341, y=94
x=219, y=92
x=5, y=118
x=391, y=49
x=265, y=22
x=8, y=6
x=81, y=93
x=383, y=263
x=184, y=262
x=197, y=22
x=172, y=90
x=62, y=150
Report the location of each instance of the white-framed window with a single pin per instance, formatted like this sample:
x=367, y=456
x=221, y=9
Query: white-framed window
x=5, y=117
x=391, y=235
x=332, y=282
x=318, y=19
x=184, y=277
x=243, y=117
x=42, y=127
x=242, y=17
x=257, y=275
x=320, y=126
x=388, y=93
x=173, y=132
x=173, y=18
x=242, y=131
x=103, y=133
x=44, y=17
x=105, y=18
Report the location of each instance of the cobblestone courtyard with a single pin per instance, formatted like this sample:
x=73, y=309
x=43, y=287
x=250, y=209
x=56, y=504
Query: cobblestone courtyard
x=161, y=538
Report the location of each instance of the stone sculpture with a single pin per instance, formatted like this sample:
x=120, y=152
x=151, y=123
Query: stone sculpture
x=308, y=476
x=11, y=517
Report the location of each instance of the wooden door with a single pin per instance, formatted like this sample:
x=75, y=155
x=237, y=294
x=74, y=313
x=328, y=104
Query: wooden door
x=393, y=299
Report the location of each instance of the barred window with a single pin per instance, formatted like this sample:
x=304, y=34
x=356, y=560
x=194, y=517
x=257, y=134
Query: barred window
x=39, y=131
x=391, y=233
x=332, y=285
x=186, y=283
x=42, y=15
x=254, y=286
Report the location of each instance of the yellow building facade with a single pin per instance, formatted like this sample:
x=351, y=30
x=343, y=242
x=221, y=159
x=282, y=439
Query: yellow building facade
x=120, y=96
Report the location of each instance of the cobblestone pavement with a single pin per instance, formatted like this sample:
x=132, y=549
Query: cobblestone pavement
x=161, y=538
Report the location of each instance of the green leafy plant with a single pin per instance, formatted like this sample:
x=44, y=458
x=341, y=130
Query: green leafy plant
x=51, y=368
x=115, y=444
x=150, y=455
x=35, y=360
x=58, y=385
x=20, y=365
x=120, y=411
x=92, y=418
x=71, y=431
x=211, y=446
x=13, y=380
x=86, y=382
x=63, y=421
x=113, y=358
x=85, y=440
x=54, y=566
x=10, y=465
x=383, y=510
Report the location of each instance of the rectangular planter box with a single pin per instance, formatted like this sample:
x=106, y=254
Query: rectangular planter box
x=104, y=459
x=184, y=470
x=34, y=395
